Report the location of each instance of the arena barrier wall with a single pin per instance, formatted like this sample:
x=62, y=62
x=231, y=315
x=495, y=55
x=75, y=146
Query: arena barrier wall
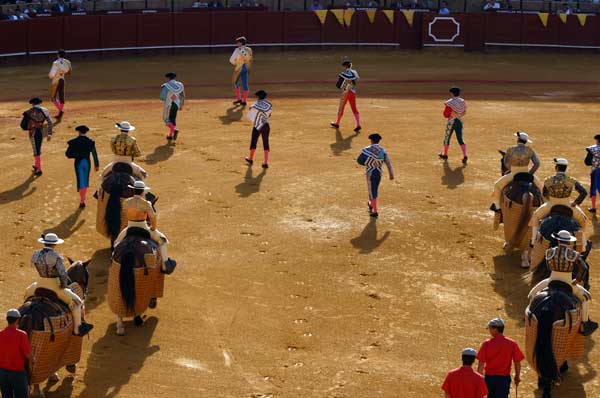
x=474, y=32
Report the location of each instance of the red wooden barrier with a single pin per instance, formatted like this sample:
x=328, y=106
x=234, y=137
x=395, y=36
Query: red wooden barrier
x=302, y=27
x=155, y=29
x=572, y=33
x=380, y=31
x=226, y=26
x=502, y=28
x=443, y=30
x=81, y=32
x=118, y=31
x=334, y=32
x=17, y=31
x=534, y=32
x=265, y=27
x=409, y=37
x=45, y=34
x=192, y=29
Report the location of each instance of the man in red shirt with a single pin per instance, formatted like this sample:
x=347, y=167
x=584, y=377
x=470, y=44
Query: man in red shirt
x=497, y=356
x=14, y=355
x=464, y=382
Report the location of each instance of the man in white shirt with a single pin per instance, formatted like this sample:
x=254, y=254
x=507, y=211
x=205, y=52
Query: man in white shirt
x=60, y=68
x=241, y=59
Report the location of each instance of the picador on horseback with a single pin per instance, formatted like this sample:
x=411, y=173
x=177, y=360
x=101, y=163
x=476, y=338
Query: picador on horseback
x=125, y=148
x=516, y=160
x=50, y=266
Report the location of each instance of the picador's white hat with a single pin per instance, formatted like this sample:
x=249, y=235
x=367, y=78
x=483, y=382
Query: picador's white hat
x=561, y=161
x=523, y=136
x=564, y=236
x=139, y=185
x=125, y=126
x=51, y=239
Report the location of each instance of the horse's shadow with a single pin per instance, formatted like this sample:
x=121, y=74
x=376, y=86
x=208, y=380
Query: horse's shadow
x=510, y=284
x=160, y=154
x=342, y=144
x=65, y=389
x=68, y=226
x=19, y=192
x=367, y=241
x=113, y=359
x=452, y=178
x=98, y=284
x=595, y=236
x=251, y=185
x=233, y=114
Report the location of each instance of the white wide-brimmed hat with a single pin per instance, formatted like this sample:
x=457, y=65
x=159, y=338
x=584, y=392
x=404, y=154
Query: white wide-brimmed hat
x=125, y=126
x=561, y=161
x=564, y=236
x=523, y=136
x=51, y=239
x=139, y=185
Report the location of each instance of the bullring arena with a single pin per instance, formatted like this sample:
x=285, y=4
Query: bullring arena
x=285, y=286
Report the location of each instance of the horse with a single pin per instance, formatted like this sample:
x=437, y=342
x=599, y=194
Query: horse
x=559, y=218
x=519, y=200
x=113, y=190
x=44, y=319
x=552, y=333
x=136, y=279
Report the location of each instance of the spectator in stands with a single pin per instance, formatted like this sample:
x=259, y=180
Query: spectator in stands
x=444, y=8
x=20, y=14
x=396, y=5
x=201, y=4
x=491, y=5
x=60, y=7
x=30, y=10
x=352, y=3
x=506, y=5
x=412, y=4
x=373, y=4
x=11, y=15
x=316, y=6
x=215, y=4
x=77, y=6
x=42, y=9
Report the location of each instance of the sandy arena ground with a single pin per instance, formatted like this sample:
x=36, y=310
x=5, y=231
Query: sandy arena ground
x=285, y=287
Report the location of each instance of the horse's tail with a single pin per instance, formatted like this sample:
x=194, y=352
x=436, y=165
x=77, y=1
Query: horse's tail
x=127, y=279
x=523, y=223
x=112, y=215
x=545, y=360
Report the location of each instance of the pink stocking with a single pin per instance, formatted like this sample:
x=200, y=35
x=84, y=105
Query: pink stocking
x=266, y=160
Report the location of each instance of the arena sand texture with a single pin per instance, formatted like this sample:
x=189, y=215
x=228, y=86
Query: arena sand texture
x=285, y=287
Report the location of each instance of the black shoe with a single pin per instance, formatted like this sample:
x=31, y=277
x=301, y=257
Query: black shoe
x=357, y=129
x=82, y=205
x=153, y=303
x=374, y=215
x=265, y=165
x=169, y=138
x=243, y=103
x=589, y=327
x=36, y=172
x=95, y=195
x=249, y=161
x=175, y=134
x=592, y=210
x=464, y=160
x=237, y=102
x=494, y=208
x=138, y=321
x=334, y=125
x=442, y=156
x=169, y=266
x=85, y=328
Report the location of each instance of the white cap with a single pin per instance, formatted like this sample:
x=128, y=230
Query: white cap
x=51, y=239
x=561, y=161
x=469, y=352
x=125, y=126
x=564, y=236
x=139, y=185
x=523, y=136
x=13, y=313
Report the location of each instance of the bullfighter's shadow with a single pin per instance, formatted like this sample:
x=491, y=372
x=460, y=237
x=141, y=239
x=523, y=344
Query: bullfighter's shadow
x=367, y=241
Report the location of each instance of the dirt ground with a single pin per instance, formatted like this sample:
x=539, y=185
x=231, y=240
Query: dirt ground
x=285, y=286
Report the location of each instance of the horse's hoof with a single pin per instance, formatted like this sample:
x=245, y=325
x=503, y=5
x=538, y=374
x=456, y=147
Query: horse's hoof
x=564, y=368
x=54, y=378
x=138, y=321
x=71, y=368
x=120, y=331
x=153, y=303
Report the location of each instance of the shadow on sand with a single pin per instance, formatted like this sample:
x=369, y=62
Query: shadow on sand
x=98, y=285
x=251, y=185
x=234, y=114
x=342, y=144
x=68, y=226
x=367, y=241
x=452, y=178
x=510, y=284
x=113, y=359
x=19, y=192
x=160, y=154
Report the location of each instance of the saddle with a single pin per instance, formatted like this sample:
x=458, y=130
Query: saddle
x=50, y=297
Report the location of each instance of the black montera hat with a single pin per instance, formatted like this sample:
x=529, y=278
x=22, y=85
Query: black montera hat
x=82, y=129
x=35, y=101
x=597, y=137
x=455, y=90
x=262, y=94
x=171, y=75
x=375, y=137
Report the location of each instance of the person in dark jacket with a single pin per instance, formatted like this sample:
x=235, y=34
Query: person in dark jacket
x=80, y=149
